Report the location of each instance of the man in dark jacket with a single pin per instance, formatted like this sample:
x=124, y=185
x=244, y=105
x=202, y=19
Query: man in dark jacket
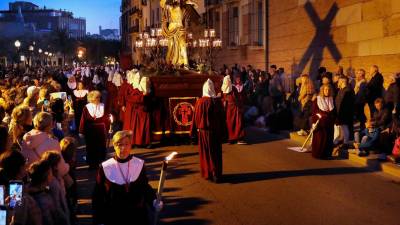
x=344, y=103
x=374, y=87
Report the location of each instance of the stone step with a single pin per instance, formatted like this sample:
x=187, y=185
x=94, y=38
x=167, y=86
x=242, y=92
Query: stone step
x=371, y=161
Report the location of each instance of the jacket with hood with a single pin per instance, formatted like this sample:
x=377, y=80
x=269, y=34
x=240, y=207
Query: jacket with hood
x=36, y=142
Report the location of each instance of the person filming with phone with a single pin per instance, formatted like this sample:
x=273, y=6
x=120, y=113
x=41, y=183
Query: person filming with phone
x=23, y=208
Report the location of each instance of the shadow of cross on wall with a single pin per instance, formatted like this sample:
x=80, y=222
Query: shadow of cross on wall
x=322, y=39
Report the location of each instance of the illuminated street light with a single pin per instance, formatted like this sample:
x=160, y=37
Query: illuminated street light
x=40, y=50
x=31, y=48
x=17, y=44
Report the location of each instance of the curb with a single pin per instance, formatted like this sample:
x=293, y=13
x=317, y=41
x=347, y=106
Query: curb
x=370, y=162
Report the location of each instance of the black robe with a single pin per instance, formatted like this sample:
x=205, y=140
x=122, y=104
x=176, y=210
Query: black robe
x=115, y=204
x=95, y=131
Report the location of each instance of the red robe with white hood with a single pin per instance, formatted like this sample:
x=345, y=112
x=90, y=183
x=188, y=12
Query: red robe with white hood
x=209, y=122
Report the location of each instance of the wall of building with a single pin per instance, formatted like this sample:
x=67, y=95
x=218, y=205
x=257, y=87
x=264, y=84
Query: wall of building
x=304, y=35
x=245, y=52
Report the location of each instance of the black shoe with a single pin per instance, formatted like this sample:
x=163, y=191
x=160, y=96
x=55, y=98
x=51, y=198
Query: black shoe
x=150, y=146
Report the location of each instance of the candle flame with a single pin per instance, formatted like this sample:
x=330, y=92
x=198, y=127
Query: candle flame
x=171, y=156
x=111, y=118
x=319, y=115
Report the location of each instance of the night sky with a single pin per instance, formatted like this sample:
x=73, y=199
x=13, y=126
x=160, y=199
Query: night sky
x=103, y=13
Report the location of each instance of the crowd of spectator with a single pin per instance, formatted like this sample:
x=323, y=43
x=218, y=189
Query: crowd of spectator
x=365, y=113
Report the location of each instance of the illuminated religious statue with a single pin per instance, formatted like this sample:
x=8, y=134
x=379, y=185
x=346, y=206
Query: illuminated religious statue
x=175, y=13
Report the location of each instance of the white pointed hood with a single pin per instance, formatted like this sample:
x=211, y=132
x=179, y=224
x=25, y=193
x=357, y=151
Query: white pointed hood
x=144, y=85
x=117, y=79
x=96, y=79
x=226, y=85
x=208, y=89
x=110, y=76
x=136, y=80
x=130, y=75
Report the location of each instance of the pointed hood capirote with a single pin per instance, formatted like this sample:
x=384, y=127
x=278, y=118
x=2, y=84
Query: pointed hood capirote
x=117, y=79
x=226, y=85
x=144, y=85
x=208, y=89
x=136, y=80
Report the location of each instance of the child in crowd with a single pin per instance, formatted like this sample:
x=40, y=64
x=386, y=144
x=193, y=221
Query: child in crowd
x=369, y=140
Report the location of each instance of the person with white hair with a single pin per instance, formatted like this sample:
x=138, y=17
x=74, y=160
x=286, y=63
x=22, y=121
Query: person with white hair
x=94, y=126
x=233, y=112
x=208, y=121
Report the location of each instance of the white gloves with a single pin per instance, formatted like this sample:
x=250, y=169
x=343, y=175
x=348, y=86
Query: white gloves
x=158, y=205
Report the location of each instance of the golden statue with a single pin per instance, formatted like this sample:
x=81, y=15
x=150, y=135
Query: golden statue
x=175, y=13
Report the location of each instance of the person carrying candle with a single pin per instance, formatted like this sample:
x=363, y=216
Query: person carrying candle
x=122, y=192
x=324, y=112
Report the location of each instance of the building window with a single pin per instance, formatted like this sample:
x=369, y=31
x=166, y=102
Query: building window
x=233, y=26
x=256, y=23
x=152, y=18
x=217, y=24
x=158, y=15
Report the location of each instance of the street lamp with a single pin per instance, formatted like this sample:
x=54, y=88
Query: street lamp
x=40, y=55
x=31, y=48
x=17, y=44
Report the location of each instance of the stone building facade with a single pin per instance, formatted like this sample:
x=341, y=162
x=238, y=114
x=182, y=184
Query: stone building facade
x=306, y=34
x=241, y=25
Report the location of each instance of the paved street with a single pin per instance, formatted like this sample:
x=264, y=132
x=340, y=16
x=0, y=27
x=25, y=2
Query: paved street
x=265, y=183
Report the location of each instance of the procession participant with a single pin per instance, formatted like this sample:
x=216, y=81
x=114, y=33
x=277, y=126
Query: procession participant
x=122, y=191
x=79, y=101
x=128, y=99
x=324, y=111
x=93, y=126
x=112, y=93
x=233, y=111
x=208, y=122
x=141, y=115
x=71, y=85
x=96, y=81
x=122, y=92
